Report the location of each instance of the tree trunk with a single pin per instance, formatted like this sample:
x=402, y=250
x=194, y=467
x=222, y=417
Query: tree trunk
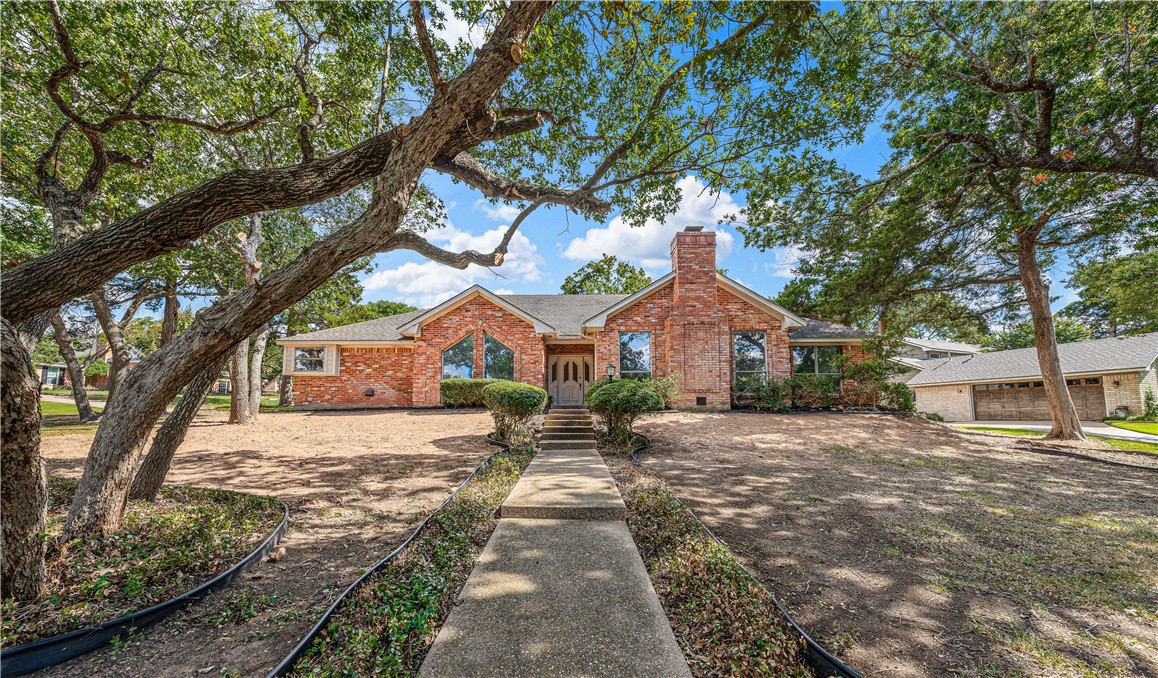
x=169, y=437
x=115, y=337
x=24, y=491
x=256, y=380
x=239, y=387
x=172, y=311
x=285, y=387
x=1066, y=425
x=118, y=447
x=75, y=371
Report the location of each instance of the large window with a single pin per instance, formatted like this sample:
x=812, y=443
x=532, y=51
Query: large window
x=750, y=355
x=498, y=360
x=816, y=360
x=458, y=360
x=635, y=355
x=311, y=359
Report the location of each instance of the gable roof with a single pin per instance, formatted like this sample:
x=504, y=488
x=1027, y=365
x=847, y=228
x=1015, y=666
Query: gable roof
x=598, y=320
x=415, y=326
x=934, y=345
x=565, y=312
x=1116, y=354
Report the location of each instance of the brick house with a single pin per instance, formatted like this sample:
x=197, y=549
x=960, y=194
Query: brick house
x=693, y=321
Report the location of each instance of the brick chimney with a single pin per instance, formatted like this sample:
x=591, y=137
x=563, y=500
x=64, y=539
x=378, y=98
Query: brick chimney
x=693, y=257
x=697, y=328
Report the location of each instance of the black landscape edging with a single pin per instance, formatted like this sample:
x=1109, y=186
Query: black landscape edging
x=292, y=658
x=822, y=662
x=40, y=654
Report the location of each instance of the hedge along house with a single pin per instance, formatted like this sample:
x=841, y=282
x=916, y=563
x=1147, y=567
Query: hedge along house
x=694, y=322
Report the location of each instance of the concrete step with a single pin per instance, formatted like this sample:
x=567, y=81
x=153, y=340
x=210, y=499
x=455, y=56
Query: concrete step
x=557, y=598
x=567, y=410
x=568, y=422
x=566, y=428
x=568, y=417
x=588, y=438
x=566, y=484
x=567, y=445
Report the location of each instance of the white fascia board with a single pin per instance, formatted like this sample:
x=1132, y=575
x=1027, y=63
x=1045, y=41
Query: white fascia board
x=414, y=327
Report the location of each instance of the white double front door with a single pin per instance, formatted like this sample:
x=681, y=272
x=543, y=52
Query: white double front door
x=568, y=377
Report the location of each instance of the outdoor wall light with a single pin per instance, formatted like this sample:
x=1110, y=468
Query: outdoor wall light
x=610, y=370
x=1117, y=383
x=369, y=392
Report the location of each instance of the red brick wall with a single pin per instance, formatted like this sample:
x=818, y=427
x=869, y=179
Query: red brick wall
x=570, y=349
x=477, y=315
x=648, y=315
x=855, y=353
x=386, y=370
x=746, y=317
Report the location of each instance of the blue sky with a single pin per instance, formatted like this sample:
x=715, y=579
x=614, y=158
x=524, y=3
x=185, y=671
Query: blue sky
x=552, y=243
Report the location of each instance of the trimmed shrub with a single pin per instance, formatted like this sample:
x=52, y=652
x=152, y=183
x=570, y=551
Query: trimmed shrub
x=620, y=402
x=596, y=385
x=512, y=405
x=668, y=389
x=459, y=392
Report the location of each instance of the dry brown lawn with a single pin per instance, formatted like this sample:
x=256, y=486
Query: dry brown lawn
x=910, y=549
x=356, y=483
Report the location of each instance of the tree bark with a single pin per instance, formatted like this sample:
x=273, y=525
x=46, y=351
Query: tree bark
x=169, y=437
x=118, y=446
x=256, y=380
x=285, y=387
x=24, y=491
x=75, y=371
x=172, y=311
x=239, y=385
x=1066, y=425
x=115, y=337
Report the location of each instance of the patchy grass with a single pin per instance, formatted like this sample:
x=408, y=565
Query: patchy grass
x=723, y=617
x=66, y=427
x=388, y=625
x=162, y=550
x=1124, y=445
x=1150, y=427
x=93, y=394
x=220, y=401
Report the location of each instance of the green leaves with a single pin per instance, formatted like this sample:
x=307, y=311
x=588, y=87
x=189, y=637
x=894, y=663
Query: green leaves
x=609, y=275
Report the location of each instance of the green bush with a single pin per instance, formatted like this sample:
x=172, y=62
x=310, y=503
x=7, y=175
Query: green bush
x=620, y=402
x=668, y=389
x=813, y=391
x=758, y=393
x=97, y=369
x=1149, y=404
x=512, y=405
x=459, y=392
x=933, y=416
x=899, y=397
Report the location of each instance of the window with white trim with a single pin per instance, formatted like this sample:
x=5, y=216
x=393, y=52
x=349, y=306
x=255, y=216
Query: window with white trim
x=310, y=359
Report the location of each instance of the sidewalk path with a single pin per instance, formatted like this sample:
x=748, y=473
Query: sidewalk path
x=560, y=589
x=1090, y=428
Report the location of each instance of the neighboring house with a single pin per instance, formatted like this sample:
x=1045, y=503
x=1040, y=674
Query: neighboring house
x=1104, y=376
x=693, y=322
x=918, y=351
x=52, y=376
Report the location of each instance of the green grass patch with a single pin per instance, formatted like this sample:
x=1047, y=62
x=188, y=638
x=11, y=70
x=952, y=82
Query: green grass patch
x=1124, y=445
x=388, y=625
x=724, y=618
x=50, y=408
x=1150, y=427
x=188, y=536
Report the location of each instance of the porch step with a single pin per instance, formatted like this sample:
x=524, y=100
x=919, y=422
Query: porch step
x=564, y=428
x=570, y=444
x=566, y=484
x=548, y=441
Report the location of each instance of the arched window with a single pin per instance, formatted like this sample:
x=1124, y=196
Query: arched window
x=458, y=360
x=498, y=360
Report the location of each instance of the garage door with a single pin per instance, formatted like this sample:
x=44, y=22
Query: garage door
x=1026, y=401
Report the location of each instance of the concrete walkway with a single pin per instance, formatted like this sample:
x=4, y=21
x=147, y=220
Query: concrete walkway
x=1091, y=428
x=560, y=589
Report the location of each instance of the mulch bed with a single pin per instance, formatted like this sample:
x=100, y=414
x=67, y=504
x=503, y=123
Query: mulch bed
x=163, y=549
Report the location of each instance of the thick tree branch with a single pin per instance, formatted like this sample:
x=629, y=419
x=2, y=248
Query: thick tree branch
x=464, y=167
x=424, y=42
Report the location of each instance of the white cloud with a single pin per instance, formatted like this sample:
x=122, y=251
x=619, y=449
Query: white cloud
x=501, y=213
x=429, y=283
x=456, y=29
x=784, y=260
x=650, y=244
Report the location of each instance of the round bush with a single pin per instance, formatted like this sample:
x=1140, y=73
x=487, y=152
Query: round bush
x=620, y=402
x=512, y=404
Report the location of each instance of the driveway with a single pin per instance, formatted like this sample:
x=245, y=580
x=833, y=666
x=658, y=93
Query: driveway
x=1091, y=428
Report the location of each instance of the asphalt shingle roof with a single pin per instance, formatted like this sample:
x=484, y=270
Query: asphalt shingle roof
x=819, y=329
x=934, y=345
x=564, y=312
x=1080, y=357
